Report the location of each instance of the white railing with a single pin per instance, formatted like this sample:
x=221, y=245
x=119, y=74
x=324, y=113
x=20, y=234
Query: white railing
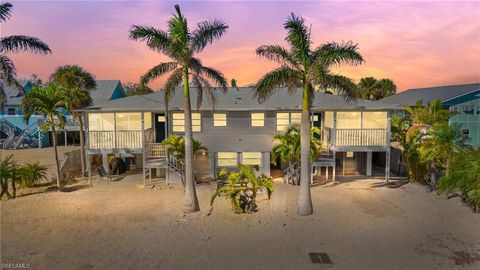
x=115, y=139
x=155, y=150
x=361, y=137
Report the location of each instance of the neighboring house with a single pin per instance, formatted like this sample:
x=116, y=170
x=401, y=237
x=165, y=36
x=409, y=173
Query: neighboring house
x=463, y=99
x=239, y=130
x=15, y=132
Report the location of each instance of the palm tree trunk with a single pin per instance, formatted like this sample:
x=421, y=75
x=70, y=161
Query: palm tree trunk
x=82, y=144
x=191, y=200
x=305, y=207
x=57, y=167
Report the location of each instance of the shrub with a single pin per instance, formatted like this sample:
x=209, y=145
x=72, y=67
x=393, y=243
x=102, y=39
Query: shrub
x=31, y=174
x=241, y=188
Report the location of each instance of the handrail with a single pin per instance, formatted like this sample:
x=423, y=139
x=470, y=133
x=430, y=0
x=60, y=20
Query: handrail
x=105, y=139
x=292, y=173
x=26, y=132
x=360, y=137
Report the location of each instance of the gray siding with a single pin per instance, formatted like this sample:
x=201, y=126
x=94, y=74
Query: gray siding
x=238, y=135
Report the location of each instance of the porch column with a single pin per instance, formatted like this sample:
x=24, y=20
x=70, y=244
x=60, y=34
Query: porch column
x=143, y=147
x=266, y=163
x=105, y=162
x=334, y=167
x=65, y=132
x=89, y=168
x=369, y=163
x=387, y=153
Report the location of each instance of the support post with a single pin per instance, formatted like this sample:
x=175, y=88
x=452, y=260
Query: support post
x=89, y=168
x=387, y=154
x=143, y=148
x=369, y=164
x=39, y=137
x=334, y=167
x=105, y=162
x=65, y=133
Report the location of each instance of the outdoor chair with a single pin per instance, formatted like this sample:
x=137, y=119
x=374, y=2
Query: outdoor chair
x=104, y=175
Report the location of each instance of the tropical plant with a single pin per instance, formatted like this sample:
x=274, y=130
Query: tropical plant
x=417, y=166
x=31, y=174
x=76, y=81
x=6, y=172
x=373, y=89
x=241, y=188
x=15, y=44
x=233, y=83
x=310, y=69
x=181, y=44
x=463, y=174
x=176, y=146
x=48, y=101
x=136, y=89
x=287, y=145
x=438, y=147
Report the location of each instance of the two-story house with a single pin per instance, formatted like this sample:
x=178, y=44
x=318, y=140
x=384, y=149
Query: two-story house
x=240, y=130
x=15, y=132
x=464, y=99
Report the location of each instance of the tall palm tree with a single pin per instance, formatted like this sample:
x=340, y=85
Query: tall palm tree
x=48, y=101
x=76, y=81
x=14, y=44
x=180, y=45
x=302, y=66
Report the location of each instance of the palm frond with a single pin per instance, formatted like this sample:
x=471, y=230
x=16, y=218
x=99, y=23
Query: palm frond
x=298, y=36
x=19, y=43
x=209, y=73
x=7, y=70
x=206, y=32
x=343, y=85
x=173, y=81
x=282, y=76
x=179, y=33
x=158, y=71
x=3, y=96
x=334, y=53
x=204, y=87
x=277, y=54
x=157, y=40
x=5, y=9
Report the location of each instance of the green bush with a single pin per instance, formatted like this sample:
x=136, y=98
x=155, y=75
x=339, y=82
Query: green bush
x=31, y=174
x=463, y=175
x=241, y=188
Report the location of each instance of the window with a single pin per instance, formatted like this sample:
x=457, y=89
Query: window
x=454, y=108
x=258, y=120
x=178, y=122
x=219, y=119
x=227, y=159
x=348, y=120
x=468, y=109
x=328, y=122
x=252, y=158
x=101, y=121
x=295, y=119
x=128, y=121
x=478, y=110
x=10, y=111
x=284, y=120
x=374, y=120
x=466, y=134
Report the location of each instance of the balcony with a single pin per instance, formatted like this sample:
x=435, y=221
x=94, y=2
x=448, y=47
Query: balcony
x=115, y=139
x=343, y=138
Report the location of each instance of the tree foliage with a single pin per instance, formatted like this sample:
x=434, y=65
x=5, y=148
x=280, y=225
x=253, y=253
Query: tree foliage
x=137, y=89
x=373, y=89
x=15, y=44
x=287, y=145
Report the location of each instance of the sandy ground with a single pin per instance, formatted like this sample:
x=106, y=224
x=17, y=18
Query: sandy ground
x=121, y=225
x=45, y=156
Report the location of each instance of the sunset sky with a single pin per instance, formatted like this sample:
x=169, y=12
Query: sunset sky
x=417, y=44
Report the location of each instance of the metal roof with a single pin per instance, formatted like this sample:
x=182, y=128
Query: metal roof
x=239, y=99
x=102, y=93
x=444, y=93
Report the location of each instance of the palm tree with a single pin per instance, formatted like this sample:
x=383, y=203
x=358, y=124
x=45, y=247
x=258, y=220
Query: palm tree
x=302, y=66
x=373, y=89
x=14, y=44
x=287, y=145
x=176, y=146
x=48, y=101
x=180, y=45
x=439, y=146
x=76, y=81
